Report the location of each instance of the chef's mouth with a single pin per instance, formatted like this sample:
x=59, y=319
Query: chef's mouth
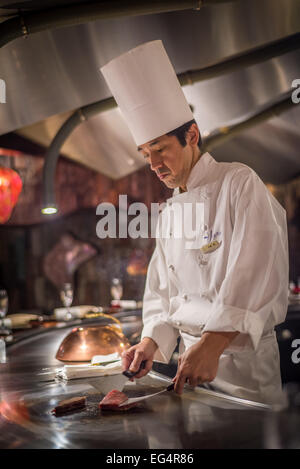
x=163, y=174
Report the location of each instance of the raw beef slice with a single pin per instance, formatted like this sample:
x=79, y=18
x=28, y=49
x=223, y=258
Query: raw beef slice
x=113, y=399
x=69, y=405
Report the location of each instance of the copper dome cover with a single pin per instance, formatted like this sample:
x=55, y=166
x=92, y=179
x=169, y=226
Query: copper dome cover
x=82, y=343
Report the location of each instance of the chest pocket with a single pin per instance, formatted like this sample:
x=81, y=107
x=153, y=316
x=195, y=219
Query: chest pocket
x=206, y=264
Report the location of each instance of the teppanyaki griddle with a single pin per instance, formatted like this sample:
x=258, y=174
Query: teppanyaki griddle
x=198, y=419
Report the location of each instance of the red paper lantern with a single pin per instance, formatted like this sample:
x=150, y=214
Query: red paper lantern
x=10, y=188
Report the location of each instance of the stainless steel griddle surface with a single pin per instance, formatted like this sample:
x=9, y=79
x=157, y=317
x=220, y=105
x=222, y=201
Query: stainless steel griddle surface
x=194, y=420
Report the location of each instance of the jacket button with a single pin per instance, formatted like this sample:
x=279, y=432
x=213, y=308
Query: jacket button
x=178, y=323
x=206, y=296
x=185, y=297
x=171, y=267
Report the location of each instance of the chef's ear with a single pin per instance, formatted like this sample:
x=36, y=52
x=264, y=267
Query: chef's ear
x=192, y=135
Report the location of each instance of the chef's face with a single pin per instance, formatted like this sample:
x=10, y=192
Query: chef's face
x=170, y=160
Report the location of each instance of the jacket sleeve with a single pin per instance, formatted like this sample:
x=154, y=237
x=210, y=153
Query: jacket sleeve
x=156, y=307
x=253, y=297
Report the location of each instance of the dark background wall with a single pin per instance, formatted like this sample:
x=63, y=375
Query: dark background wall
x=28, y=237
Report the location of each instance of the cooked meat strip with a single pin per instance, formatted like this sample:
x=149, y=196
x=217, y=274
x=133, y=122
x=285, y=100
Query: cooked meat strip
x=113, y=399
x=69, y=405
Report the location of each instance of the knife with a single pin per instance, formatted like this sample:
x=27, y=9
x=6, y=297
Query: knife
x=105, y=384
x=132, y=400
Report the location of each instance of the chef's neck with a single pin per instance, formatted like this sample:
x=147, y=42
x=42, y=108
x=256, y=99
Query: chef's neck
x=195, y=158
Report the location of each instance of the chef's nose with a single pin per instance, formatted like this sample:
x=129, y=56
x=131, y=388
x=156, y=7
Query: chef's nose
x=155, y=160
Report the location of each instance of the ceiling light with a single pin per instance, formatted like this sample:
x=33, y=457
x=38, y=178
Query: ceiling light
x=49, y=210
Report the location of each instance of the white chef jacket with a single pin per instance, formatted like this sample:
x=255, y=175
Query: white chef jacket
x=240, y=286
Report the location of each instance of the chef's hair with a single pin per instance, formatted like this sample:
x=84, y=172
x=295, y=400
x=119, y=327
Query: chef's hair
x=181, y=131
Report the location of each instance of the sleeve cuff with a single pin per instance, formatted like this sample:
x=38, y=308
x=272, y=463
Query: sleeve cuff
x=165, y=336
x=230, y=319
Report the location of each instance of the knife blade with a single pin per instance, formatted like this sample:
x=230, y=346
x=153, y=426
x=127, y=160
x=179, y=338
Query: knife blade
x=132, y=400
x=105, y=384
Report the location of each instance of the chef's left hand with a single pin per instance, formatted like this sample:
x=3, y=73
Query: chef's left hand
x=199, y=363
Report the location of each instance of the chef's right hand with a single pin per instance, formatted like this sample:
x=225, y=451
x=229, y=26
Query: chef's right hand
x=143, y=351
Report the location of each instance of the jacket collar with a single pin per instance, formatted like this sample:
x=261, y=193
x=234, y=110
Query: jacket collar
x=199, y=172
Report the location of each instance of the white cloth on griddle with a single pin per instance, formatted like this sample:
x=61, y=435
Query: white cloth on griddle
x=102, y=359
x=89, y=371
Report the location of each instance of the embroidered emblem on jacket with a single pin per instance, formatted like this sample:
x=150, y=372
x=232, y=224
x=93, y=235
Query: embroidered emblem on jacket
x=210, y=247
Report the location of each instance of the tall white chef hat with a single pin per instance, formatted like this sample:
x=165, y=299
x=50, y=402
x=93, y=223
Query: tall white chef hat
x=147, y=91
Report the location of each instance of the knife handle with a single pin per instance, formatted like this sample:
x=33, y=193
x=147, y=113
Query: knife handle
x=131, y=374
x=170, y=387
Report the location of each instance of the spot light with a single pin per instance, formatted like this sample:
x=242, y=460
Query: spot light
x=49, y=210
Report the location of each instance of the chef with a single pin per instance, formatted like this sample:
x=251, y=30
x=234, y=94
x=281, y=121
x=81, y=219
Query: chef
x=222, y=292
